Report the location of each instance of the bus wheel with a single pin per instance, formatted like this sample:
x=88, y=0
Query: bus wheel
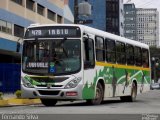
x=99, y=96
x=48, y=102
x=132, y=97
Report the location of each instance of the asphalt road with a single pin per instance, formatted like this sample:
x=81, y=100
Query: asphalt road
x=147, y=104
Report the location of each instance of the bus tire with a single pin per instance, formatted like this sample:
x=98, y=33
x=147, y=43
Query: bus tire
x=99, y=96
x=48, y=102
x=132, y=97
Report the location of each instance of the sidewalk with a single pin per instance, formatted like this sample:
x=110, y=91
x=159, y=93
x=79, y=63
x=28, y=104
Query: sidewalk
x=11, y=100
x=8, y=96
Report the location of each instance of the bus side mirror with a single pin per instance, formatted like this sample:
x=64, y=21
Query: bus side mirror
x=18, y=47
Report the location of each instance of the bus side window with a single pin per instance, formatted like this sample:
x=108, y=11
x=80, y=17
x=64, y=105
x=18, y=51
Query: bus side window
x=138, y=56
x=145, y=58
x=110, y=50
x=120, y=53
x=130, y=54
x=100, y=52
x=89, y=61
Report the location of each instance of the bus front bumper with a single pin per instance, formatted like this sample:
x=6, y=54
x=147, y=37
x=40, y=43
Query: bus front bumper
x=52, y=93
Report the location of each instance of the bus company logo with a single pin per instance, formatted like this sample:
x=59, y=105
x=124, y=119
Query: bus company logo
x=49, y=86
x=150, y=117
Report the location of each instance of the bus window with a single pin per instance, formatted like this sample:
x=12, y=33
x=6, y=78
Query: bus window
x=130, y=54
x=110, y=51
x=145, y=58
x=138, y=56
x=89, y=61
x=100, y=53
x=121, y=53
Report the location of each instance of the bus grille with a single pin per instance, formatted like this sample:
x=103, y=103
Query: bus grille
x=49, y=80
x=51, y=86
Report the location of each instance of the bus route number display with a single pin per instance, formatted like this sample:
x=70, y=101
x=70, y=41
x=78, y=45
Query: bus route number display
x=52, y=32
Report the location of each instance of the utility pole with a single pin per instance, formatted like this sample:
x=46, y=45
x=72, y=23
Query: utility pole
x=75, y=11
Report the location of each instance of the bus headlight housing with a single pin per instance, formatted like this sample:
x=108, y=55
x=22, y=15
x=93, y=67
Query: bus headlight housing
x=73, y=83
x=26, y=83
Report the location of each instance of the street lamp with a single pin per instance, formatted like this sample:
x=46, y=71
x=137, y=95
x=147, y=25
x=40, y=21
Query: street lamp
x=153, y=68
x=75, y=11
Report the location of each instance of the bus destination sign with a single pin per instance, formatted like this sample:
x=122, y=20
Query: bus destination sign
x=53, y=32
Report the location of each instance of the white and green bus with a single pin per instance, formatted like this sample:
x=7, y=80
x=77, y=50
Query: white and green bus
x=76, y=62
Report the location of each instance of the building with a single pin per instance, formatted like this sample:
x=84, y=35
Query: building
x=15, y=17
x=147, y=20
x=107, y=15
x=141, y=24
x=115, y=17
x=130, y=21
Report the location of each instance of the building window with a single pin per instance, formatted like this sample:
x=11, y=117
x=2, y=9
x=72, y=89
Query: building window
x=112, y=18
x=100, y=52
x=51, y=15
x=5, y=27
x=18, y=31
x=9, y=28
x=40, y=10
x=59, y=19
x=18, y=2
x=30, y=5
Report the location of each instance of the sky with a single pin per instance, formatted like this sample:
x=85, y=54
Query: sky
x=146, y=3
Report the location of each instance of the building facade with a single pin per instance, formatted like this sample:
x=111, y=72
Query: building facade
x=141, y=24
x=16, y=15
x=130, y=21
x=148, y=26
x=107, y=15
x=115, y=17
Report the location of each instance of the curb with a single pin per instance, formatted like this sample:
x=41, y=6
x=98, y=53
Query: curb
x=3, y=103
x=17, y=102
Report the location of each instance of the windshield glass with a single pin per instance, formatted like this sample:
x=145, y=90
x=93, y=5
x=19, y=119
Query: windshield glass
x=58, y=56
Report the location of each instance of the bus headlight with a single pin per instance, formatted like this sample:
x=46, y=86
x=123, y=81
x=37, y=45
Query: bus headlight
x=26, y=83
x=73, y=83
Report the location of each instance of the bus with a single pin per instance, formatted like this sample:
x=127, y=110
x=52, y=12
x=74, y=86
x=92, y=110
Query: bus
x=77, y=62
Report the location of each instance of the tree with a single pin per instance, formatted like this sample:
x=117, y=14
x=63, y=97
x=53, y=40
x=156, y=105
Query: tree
x=155, y=52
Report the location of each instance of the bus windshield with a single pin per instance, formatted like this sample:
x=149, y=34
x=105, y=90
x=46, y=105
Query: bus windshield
x=57, y=56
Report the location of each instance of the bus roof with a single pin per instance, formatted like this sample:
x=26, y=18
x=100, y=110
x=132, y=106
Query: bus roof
x=98, y=33
x=113, y=36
